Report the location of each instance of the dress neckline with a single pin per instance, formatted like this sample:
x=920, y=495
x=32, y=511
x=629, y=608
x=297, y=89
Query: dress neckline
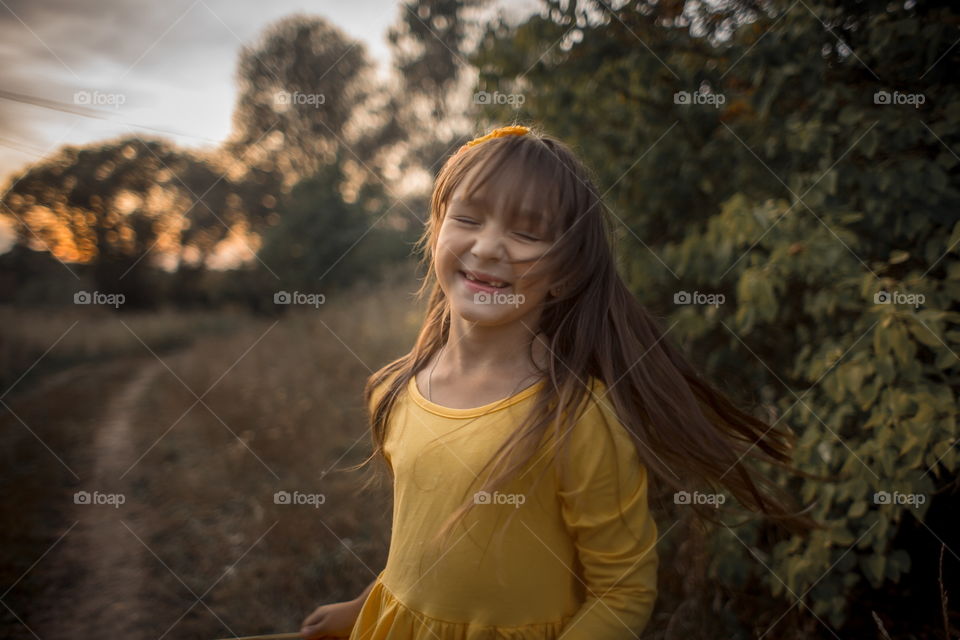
x=471, y=412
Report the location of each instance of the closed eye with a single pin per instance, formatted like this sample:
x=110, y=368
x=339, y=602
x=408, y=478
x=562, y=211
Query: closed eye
x=524, y=236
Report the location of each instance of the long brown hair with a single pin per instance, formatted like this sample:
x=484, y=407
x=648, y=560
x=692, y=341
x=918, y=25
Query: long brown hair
x=687, y=433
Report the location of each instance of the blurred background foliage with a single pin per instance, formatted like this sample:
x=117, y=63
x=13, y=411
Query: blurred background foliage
x=794, y=185
x=820, y=212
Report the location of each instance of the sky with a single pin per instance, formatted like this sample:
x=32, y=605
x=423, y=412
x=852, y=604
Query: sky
x=145, y=67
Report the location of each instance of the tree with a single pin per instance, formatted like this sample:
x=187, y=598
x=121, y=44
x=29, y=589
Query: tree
x=323, y=243
x=431, y=41
x=799, y=159
x=131, y=204
x=429, y=44
x=301, y=87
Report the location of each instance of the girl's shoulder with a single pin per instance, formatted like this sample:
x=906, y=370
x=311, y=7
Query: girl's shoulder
x=376, y=393
x=598, y=409
x=595, y=420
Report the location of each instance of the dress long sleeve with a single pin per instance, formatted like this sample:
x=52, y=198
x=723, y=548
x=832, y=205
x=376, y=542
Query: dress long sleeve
x=618, y=555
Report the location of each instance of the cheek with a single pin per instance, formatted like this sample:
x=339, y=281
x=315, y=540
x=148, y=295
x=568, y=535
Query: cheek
x=533, y=289
x=532, y=279
x=447, y=243
x=443, y=247
x=446, y=261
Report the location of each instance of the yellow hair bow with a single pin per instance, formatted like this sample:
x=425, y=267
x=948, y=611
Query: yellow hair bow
x=516, y=130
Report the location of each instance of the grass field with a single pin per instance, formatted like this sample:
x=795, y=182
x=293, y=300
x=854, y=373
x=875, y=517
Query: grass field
x=196, y=420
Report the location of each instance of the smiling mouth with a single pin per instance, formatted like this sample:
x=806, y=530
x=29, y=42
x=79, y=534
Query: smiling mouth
x=483, y=283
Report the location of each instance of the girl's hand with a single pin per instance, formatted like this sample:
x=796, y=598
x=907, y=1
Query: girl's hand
x=333, y=620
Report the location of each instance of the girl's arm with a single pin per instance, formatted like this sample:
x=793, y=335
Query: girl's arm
x=363, y=596
x=603, y=478
x=336, y=619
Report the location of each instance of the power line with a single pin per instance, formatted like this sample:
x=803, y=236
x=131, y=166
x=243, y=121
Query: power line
x=87, y=112
x=23, y=147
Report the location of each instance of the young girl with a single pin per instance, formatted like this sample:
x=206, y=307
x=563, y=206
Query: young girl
x=540, y=402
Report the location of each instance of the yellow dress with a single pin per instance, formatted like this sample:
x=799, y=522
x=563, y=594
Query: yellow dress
x=568, y=567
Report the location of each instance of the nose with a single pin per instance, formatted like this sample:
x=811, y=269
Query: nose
x=488, y=243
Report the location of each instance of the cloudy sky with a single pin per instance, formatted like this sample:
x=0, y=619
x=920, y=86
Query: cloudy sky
x=171, y=63
x=73, y=72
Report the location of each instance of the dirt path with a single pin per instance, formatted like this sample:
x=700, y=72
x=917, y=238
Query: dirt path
x=110, y=594
x=95, y=575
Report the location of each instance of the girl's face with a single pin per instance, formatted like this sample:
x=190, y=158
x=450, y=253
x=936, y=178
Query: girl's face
x=476, y=240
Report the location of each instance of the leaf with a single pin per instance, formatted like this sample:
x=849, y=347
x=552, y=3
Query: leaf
x=857, y=509
x=909, y=442
x=842, y=537
x=885, y=369
x=849, y=115
x=899, y=562
x=887, y=458
x=873, y=566
x=924, y=335
x=833, y=386
x=881, y=339
x=899, y=256
x=953, y=244
x=899, y=343
x=853, y=375
x=946, y=359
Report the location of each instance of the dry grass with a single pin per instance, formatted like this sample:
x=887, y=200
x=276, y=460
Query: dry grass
x=284, y=412
x=285, y=415
x=85, y=333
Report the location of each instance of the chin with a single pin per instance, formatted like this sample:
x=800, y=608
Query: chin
x=480, y=316
x=483, y=314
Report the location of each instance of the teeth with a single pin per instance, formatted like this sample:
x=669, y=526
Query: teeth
x=492, y=284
